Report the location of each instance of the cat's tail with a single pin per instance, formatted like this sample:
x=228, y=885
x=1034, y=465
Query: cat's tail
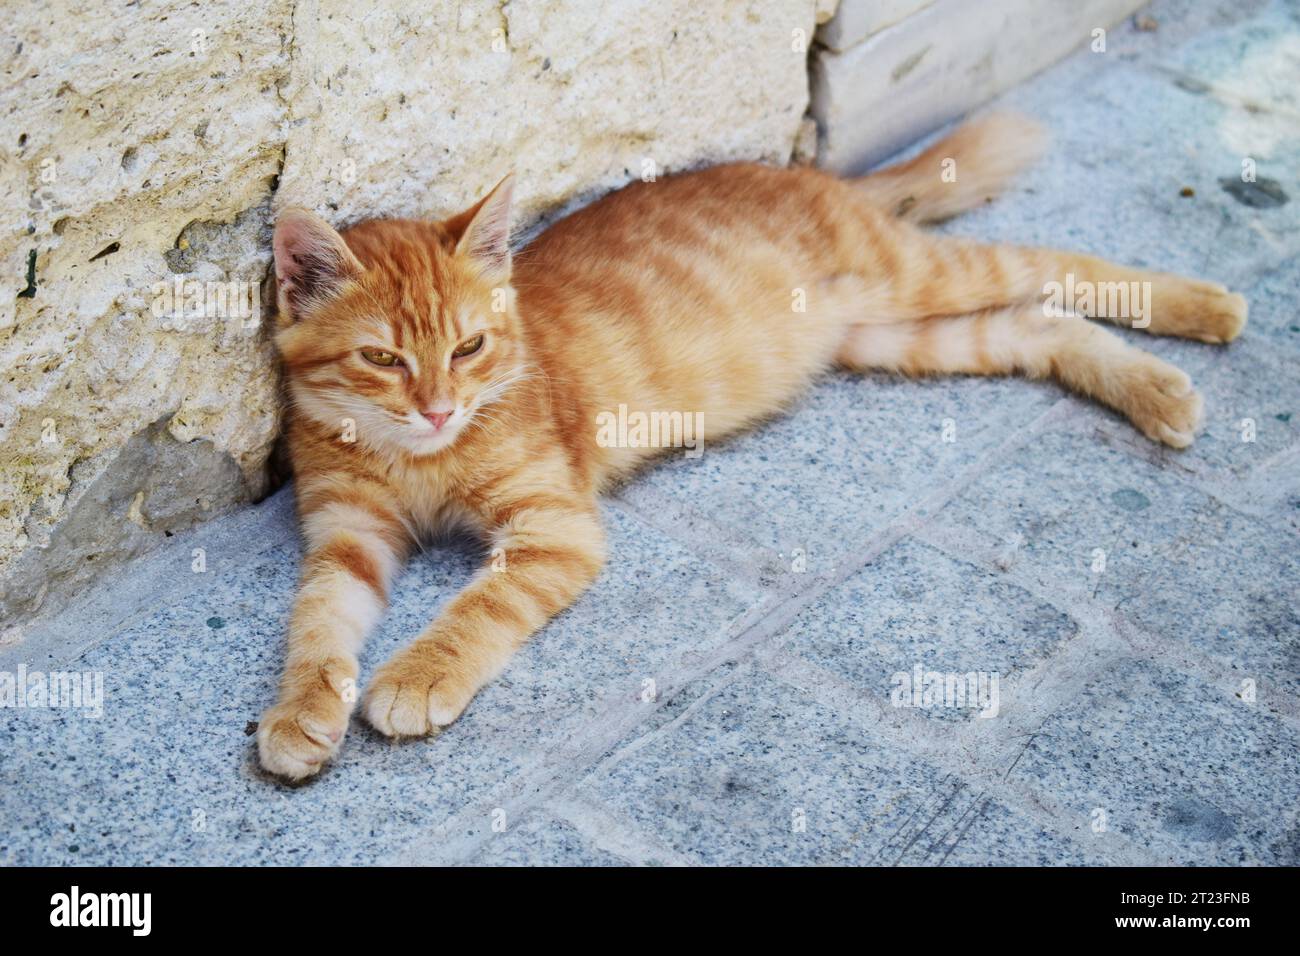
x=960, y=171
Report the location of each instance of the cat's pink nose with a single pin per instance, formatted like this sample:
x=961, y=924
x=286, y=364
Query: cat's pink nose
x=438, y=419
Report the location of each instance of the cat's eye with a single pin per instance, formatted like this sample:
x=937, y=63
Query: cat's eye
x=468, y=347
x=380, y=357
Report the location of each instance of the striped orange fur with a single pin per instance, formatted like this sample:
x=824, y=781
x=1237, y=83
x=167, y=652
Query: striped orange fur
x=437, y=381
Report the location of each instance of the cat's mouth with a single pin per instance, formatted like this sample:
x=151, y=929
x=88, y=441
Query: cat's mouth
x=424, y=438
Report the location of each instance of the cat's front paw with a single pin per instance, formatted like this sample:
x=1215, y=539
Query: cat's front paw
x=299, y=734
x=1162, y=403
x=420, y=690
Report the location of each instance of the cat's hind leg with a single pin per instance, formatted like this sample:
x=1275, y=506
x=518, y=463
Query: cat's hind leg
x=1157, y=397
x=916, y=275
x=1159, y=303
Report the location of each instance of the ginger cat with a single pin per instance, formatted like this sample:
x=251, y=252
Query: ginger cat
x=435, y=382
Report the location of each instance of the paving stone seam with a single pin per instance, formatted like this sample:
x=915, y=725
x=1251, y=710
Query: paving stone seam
x=963, y=545
x=715, y=545
x=611, y=832
x=153, y=582
x=581, y=751
x=979, y=756
x=1254, y=496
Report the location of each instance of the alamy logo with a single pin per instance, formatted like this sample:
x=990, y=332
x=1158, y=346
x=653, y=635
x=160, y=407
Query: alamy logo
x=635, y=429
x=1129, y=301
x=185, y=300
x=103, y=909
x=975, y=690
x=68, y=690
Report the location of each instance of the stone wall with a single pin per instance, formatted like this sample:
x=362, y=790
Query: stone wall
x=890, y=71
x=148, y=146
x=151, y=143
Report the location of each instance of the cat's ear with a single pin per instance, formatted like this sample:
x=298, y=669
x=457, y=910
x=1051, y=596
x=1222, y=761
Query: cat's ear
x=312, y=262
x=482, y=232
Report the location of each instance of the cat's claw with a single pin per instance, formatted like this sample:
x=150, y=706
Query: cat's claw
x=295, y=738
x=1163, y=404
x=299, y=734
x=413, y=696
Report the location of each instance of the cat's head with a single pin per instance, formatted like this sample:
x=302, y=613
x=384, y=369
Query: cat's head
x=399, y=333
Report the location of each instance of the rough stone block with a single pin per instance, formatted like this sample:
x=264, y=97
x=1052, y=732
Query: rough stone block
x=855, y=20
x=149, y=145
x=938, y=64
